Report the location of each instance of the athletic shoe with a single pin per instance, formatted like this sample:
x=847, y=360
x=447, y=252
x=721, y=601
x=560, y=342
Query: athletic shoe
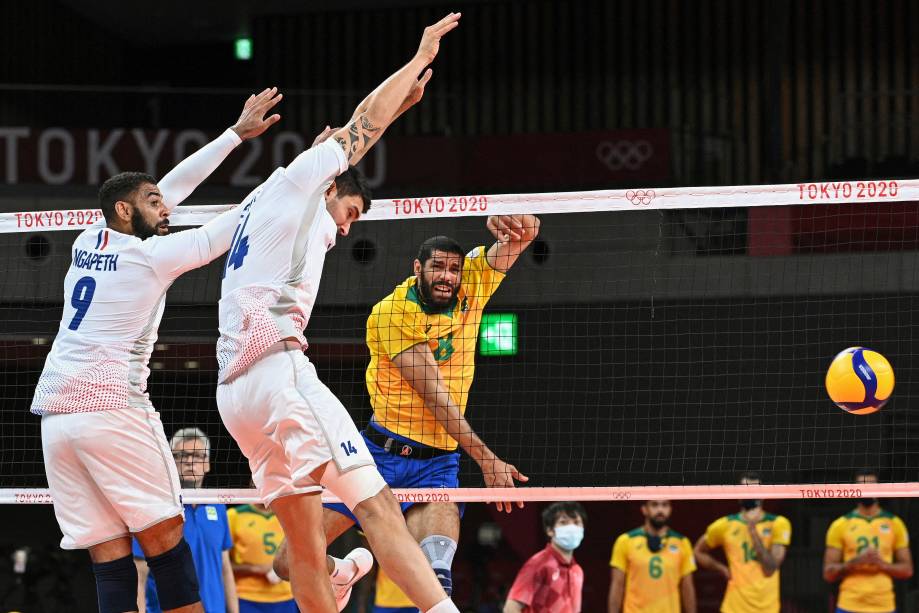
x=363, y=560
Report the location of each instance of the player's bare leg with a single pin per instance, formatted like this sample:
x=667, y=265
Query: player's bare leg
x=334, y=524
x=397, y=551
x=433, y=518
x=300, y=516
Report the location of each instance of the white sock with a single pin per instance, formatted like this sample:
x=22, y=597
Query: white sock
x=343, y=572
x=444, y=606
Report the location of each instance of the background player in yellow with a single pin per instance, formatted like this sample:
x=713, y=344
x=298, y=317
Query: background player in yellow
x=652, y=566
x=754, y=543
x=389, y=598
x=868, y=548
x=257, y=534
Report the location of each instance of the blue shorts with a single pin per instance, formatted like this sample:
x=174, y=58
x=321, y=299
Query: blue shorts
x=250, y=606
x=401, y=472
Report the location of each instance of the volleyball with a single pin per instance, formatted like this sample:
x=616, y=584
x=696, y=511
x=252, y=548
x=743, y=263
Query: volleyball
x=859, y=380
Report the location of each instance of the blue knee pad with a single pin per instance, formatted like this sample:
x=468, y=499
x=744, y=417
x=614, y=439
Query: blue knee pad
x=175, y=577
x=116, y=585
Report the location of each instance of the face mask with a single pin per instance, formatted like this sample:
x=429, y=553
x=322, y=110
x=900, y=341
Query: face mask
x=867, y=502
x=749, y=505
x=568, y=537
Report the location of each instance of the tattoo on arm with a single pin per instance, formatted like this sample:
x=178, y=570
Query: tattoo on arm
x=361, y=132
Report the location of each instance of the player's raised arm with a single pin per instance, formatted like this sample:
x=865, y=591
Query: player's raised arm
x=514, y=234
x=419, y=369
x=388, y=100
x=182, y=180
x=175, y=254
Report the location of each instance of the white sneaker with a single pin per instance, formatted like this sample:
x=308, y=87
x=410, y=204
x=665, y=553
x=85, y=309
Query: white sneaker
x=363, y=560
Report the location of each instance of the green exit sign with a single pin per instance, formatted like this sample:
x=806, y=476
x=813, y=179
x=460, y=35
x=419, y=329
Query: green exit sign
x=243, y=47
x=498, y=334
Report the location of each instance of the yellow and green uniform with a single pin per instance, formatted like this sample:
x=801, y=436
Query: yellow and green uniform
x=256, y=537
x=400, y=321
x=852, y=534
x=652, y=579
x=388, y=595
x=749, y=590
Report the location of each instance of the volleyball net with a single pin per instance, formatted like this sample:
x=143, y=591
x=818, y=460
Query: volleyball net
x=651, y=343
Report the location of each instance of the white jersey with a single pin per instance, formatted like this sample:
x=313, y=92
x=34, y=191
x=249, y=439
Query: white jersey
x=275, y=263
x=114, y=295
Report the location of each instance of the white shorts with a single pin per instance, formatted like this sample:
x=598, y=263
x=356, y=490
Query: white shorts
x=110, y=473
x=288, y=424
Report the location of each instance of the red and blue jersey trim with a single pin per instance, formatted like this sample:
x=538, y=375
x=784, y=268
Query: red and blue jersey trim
x=102, y=240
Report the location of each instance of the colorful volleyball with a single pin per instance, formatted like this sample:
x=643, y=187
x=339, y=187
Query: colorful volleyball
x=860, y=380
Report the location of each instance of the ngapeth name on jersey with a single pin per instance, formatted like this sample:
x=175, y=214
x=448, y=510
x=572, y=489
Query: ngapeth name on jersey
x=95, y=261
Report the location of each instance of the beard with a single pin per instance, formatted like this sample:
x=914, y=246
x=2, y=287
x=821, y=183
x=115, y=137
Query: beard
x=188, y=482
x=657, y=521
x=436, y=300
x=144, y=230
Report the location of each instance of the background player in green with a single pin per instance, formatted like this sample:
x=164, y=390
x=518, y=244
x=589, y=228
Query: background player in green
x=652, y=566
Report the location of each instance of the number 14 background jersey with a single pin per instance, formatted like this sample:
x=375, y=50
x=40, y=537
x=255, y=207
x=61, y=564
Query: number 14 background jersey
x=749, y=589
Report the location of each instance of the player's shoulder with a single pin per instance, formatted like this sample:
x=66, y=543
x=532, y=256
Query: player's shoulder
x=843, y=520
x=673, y=534
x=477, y=260
x=775, y=518
x=625, y=537
x=892, y=517
x=403, y=299
x=724, y=520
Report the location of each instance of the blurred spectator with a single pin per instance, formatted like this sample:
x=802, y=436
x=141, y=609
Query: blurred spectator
x=389, y=598
x=256, y=534
x=551, y=581
x=652, y=566
x=206, y=529
x=754, y=543
x=867, y=548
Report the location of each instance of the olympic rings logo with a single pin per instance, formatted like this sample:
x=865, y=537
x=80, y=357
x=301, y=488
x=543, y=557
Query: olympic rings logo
x=640, y=197
x=624, y=154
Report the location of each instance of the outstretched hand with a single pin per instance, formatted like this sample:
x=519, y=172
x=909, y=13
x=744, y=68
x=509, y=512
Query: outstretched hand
x=252, y=121
x=498, y=473
x=507, y=228
x=323, y=136
x=430, y=40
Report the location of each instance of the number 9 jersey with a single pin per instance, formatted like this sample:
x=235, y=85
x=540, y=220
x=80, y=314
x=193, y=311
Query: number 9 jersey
x=114, y=295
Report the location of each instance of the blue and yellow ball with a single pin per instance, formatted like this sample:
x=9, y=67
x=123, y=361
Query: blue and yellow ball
x=860, y=380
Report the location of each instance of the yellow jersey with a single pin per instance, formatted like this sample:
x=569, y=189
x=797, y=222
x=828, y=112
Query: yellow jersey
x=400, y=321
x=256, y=537
x=853, y=533
x=652, y=579
x=749, y=590
x=388, y=593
